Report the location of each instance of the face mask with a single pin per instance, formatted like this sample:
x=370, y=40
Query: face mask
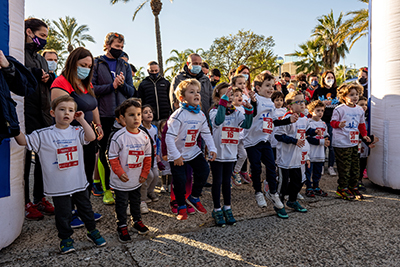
x=52, y=65
x=362, y=80
x=82, y=73
x=195, y=69
x=314, y=83
x=246, y=76
x=329, y=82
x=116, y=53
x=154, y=75
x=40, y=43
x=214, y=83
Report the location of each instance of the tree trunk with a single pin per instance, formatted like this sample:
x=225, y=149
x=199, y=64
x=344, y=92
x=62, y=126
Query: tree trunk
x=158, y=41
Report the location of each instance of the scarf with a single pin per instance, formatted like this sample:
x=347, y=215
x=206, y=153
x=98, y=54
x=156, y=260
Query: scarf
x=189, y=108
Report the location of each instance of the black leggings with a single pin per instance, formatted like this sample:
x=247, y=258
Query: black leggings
x=221, y=173
x=106, y=124
x=37, y=176
x=363, y=165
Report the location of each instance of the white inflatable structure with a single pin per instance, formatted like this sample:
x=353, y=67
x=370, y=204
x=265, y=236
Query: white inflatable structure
x=12, y=207
x=384, y=66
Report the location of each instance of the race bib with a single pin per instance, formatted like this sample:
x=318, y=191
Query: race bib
x=67, y=157
x=268, y=125
x=359, y=147
x=191, y=138
x=303, y=157
x=354, y=137
x=230, y=135
x=301, y=134
x=135, y=159
x=322, y=131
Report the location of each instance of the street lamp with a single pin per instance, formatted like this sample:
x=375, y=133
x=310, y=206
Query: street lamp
x=280, y=61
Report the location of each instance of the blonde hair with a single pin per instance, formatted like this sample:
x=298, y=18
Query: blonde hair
x=290, y=97
x=236, y=77
x=315, y=104
x=217, y=90
x=184, y=85
x=60, y=99
x=110, y=37
x=344, y=90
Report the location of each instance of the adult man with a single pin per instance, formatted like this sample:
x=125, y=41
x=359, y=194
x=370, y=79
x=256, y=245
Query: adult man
x=192, y=69
x=154, y=91
x=215, y=76
x=363, y=79
x=52, y=58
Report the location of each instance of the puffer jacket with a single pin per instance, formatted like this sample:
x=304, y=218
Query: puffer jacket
x=109, y=98
x=156, y=94
x=205, y=92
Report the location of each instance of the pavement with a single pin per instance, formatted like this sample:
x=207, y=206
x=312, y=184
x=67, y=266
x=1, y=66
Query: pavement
x=334, y=232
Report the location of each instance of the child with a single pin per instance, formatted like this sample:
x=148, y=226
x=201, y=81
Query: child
x=317, y=149
x=291, y=139
x=184, y=126
x=348, y=122
x=225, y=121
x=240, y=81
x=256, y=138
x=130, y=160
x=278, y=99
x=61, y=156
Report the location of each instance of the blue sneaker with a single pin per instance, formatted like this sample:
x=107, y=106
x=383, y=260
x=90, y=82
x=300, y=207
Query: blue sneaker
x=229, y=217
x=218, y=217
x=281, y=213
x=96, y=238
x=97, y=216
x=97, y=190
x=76, y=222
x=296, y=206
x=66, y=246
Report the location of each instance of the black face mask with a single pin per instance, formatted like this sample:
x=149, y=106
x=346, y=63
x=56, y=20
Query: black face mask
x=303, y=86
x=116, y=53
x=214, y=83
x=362, y=80
x=154, y=75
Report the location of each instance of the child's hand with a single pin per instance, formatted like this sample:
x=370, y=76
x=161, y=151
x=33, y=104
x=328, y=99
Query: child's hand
x=367, y=139
x=165, y=158
x=252, y=95
x=376, y=139
x=213, y=155
x=142, y=179
x=294, y=117
x=247, y=104
x=342, y=124
x=79, y=116
x=327, y=142
x=229, y=92
x=124, y=178
x=300, y=143
x=308, y=164
x=318, y=132
x=178, y=162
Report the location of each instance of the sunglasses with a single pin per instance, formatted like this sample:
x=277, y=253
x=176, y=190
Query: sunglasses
x=298, y=102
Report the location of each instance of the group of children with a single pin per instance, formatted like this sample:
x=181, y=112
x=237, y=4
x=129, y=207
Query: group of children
x=262, y=126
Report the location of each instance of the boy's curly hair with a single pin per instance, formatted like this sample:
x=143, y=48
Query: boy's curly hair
x=315, y=104
x=183, y=86
x=345, y=89
x=290, y=97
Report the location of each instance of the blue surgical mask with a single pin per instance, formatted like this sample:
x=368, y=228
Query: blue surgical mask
x=195, y=69
x=52, y=65
x=82, y=72
x=246, y=76
x=314, y=83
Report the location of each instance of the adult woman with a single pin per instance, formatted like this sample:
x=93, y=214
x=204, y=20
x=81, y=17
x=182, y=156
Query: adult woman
x=327, y=94
x=245, y=71
x=75, y=80
x=37, y=113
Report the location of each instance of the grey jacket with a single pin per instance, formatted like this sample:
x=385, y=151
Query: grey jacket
x=206, y=88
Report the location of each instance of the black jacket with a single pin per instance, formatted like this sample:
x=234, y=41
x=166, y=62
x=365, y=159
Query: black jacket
x=19, y=80
x=156, y=94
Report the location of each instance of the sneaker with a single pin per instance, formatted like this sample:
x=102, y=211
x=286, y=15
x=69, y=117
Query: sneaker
x=143, y=208
x=260, y=200
x=32, y=213
x=281, y=213
x=266, y=186
x=218, y=217
x=361, y=186
x=96, y=238
x=108, y=198
x=356, y=193
x=182, y=213
x=196, y=204
x=148, y=200
x=163, y=189
x=174, y=207
x=97, y=190
x=245, y=176
x=236, y=179
x=123, y=234
x=299, y=196
x=365, y=174
x=229, y=217
x=331, y=171
x=153, y=196
x=45, y=207
x=274, y=198
x=67, y=246
x=345, y=193
x=318, y=192
x=190, y=210
x=141, y=228
x=296, y=206
x=310, y=192
x=97, y=216
x=76, y=222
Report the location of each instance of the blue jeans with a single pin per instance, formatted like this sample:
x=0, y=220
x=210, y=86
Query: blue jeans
x=262, y=152
x=315, y=169
x=201, y=170
x=331, y=155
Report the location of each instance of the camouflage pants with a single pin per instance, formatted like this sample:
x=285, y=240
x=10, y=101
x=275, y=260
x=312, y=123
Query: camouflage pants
x=348, y=166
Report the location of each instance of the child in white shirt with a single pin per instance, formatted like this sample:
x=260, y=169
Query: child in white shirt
x=60, y=148
x=278, y=98
x=184, y=126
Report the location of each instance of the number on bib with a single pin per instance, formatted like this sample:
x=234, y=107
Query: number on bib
x=301, y=134
x=268, y=125
x=135, y=159
x=354, y=137
x=303, y=157
x=230, y=135
x=359, y=147
x=67, y=157
x=191, y=136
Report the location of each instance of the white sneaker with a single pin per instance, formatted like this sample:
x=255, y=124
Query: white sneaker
x=143, y=208
x=128, y=211
x=331, y=171
x=274, y=198
x=299, y=196
x=163, y=189
x=260, y=200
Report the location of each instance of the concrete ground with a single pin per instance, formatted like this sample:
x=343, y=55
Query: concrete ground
x=333, y=232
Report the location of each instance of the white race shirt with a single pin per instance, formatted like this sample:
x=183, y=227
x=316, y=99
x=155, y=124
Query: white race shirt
x=349, y=135
x=279, y=112
x=317, y=153
x=305, y=155
x=61, y=156
x=131, y=149
x=153, y=132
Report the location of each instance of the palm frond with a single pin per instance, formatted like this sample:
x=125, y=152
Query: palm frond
x=139, y=8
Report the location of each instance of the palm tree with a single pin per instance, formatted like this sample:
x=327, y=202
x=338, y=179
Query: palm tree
x=310, y=60
x=178, y=60
x=139, y=77
x=357, y=26
x=71, y=34
x=329, y=36
x=156, y=6
x=343, y=73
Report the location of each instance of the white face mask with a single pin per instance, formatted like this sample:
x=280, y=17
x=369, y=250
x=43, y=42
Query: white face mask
x=329, y=82
x=52, y=65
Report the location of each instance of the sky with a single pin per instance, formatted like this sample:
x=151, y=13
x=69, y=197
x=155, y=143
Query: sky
x=196, y=24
